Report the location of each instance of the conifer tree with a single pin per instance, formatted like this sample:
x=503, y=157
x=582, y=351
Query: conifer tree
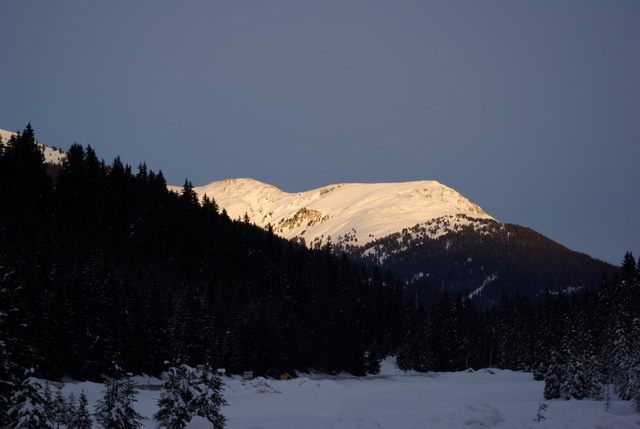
x=26, y=187
x=210, y=204
x=415, y=351
x=188, y=393
x=620, y=349
x=580, y=372
x=115, y=409
x=80, y=417
x=59, y=410
x=208, y=398
x=188, y=195
x=30, y=408
x=173, y=404
x=72, y=407
x=634, y=365
x=553, y=377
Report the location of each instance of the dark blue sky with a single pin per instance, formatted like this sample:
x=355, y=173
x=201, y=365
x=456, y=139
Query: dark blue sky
x=530, y=109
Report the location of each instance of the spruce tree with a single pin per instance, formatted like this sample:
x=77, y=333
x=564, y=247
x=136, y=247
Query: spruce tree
x=553, y=377
x=80, y=417
x=30, y=407
x=173, y=404
x=208, y=398
x=415, y=351
x=620, y=351
x=188, y=195
x=60, y=408
x=581, y=376
x=26, y=187
x=187, y=393
x=115, y=409
x=633, y=374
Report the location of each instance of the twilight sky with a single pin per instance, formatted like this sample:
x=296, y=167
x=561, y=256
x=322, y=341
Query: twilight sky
x=531, y=109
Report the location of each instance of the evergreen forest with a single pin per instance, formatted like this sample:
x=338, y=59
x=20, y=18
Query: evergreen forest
x=100, y=264
x=484, y=257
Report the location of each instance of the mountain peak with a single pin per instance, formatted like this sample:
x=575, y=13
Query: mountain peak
x=345, y=212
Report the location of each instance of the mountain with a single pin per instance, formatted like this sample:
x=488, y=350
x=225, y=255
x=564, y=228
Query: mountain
x=431, y=237
x=347, y=213
x=483, y=259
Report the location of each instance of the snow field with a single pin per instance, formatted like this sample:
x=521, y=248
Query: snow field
x=391, y=400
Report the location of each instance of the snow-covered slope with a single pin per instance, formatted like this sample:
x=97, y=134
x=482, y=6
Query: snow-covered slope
x=353, y=213
x=52, y=156
x=5, y=135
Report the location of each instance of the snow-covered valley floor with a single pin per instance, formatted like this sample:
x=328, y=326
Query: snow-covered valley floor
x=393, y=400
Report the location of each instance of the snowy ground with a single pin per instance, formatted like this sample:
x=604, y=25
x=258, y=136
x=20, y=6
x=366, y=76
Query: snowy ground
x=393, y=400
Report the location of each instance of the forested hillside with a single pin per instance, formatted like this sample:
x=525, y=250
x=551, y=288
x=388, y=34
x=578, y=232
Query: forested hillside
x=105, y=264
x=101, y=264
x=481, y=257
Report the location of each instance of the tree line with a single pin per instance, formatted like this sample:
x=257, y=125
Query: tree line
x=102, y=263
x=580, y=345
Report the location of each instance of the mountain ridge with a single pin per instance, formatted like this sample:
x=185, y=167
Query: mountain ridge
x=346, y=212
x=432, y=238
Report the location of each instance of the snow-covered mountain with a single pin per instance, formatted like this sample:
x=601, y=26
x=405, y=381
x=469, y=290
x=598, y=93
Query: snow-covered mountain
x=432, y=238
x=355, y=213
x=51, y=155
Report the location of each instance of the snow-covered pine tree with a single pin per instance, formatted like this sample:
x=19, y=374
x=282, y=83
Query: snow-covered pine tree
x=572, y=374
x=575, y=381
x=188, y=393
x=115, y=409
x=620, y=351
x=173, y=405
x=581, y=375
x=634, y=386
x=553, y=377
x=29, y=406
x=72, y=406
x=624, y=294
x=634, y=365
x=80, y=417
x=207, y=398
x=598, y=379
x=59, y=410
